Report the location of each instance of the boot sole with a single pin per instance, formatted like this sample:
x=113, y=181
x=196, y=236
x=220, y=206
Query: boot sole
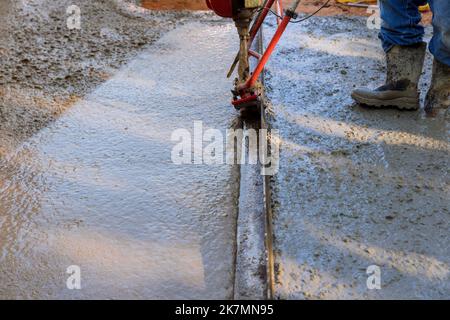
x=403, y=103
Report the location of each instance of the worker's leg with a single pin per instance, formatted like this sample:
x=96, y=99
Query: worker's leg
x=439, y=94
x=400, y=23
x=440, y=44
x=401, y=36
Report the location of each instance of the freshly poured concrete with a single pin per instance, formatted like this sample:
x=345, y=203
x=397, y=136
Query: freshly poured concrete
x=98, y=189
x=357, y=187
x=46, y=66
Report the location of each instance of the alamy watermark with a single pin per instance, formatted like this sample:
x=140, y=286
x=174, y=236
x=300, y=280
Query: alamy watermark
x=235, y=146
x=374, y=277
x=73, y=282
x=374, y=20
x=74, y=17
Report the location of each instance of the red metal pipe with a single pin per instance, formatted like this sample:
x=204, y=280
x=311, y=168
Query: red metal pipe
x=263, y=61
x=248, y=98
x=254, y=54
x=253, y=31
x=257, y=25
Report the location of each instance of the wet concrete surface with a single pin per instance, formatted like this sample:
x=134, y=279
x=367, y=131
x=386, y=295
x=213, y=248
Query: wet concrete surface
x=357, y=187
x=6, y=7
x=98, y=189
x=46, y=66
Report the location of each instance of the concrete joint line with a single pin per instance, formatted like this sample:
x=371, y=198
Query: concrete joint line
x=254, y=272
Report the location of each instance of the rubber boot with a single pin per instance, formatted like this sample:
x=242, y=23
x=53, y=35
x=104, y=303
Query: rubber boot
x=438, y=96
x=404, y=68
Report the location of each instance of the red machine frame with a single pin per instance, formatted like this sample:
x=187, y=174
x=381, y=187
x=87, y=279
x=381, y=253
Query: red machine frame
x=245, y=93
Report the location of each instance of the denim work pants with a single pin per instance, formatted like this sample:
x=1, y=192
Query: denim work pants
x=400, y=25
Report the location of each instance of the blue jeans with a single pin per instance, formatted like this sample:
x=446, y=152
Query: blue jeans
x=400, y=25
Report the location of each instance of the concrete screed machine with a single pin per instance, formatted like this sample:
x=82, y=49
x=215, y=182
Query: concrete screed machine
x=249, y=16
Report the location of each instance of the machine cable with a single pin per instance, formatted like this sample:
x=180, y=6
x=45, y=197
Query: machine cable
x=299, y=20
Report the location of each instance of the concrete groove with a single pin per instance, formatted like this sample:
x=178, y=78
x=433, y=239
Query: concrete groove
x=270, y=267
x=254, y=278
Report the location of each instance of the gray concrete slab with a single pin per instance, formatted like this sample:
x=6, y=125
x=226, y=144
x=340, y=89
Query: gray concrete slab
x=356, y=187
x=98, y=188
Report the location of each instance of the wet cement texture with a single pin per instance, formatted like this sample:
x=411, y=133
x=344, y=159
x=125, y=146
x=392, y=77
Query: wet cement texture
x=98, y=189
x=357, y=187
x=45, y=66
